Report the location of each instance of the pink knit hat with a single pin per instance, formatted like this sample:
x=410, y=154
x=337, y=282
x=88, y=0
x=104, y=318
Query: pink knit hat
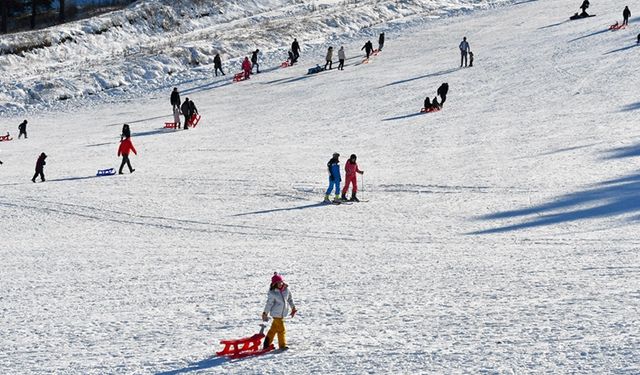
x=276, y=278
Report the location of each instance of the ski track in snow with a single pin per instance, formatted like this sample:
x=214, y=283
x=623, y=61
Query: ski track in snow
x=499, y=234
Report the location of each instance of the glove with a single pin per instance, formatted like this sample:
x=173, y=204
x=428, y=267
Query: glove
x=264, y=317
x=293, y=312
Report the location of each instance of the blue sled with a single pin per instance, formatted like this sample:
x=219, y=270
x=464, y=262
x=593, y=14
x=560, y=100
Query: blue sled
x=316, y=69
x=106, y=172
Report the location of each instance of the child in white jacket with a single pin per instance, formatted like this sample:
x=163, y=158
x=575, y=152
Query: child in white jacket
x=278, y=301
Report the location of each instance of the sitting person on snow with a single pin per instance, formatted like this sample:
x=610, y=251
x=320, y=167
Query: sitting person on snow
x=584, y=6
x=292, y=59
x=434, y=103
x=427, y=104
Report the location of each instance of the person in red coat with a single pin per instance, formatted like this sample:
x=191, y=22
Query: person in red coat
x=125, y=148
x=246, y=67
x=351, y=168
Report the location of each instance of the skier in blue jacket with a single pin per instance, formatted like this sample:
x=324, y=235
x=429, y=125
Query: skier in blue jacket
x=333, y=167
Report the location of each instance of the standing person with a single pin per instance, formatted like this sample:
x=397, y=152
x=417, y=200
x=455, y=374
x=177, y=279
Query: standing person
x=350, y=170
x=329, y=58
x=464, y=49
x=217, y=63
x=626, y=13
x=341, y=58
x=192, y=110
x=22, y=129
x=125, y=149
x=126, y=132
x=246, y=67
x=368, y=48
x=40, y=163
x=176, y=117
x=442, y=92
x=333, y=167
x=254, y=61
x=470, y=58
x=279, y=299
x=295, y=48
x=380, y=41
x=175, y=98
x=186, y=112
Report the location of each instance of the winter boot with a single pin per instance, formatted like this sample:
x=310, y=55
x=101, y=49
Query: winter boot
x=337, y=198
x=326, y=198
x=266, y=343
x=343, y=196
x=354, y=198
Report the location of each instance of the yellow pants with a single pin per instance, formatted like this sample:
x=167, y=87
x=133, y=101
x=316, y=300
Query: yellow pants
x=277, y=327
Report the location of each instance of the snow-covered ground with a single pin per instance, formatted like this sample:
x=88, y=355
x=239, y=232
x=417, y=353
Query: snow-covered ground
x=499, y=235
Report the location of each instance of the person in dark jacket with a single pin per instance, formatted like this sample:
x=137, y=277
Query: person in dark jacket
x=427, y=103
x=254, y=61
x=126, y=132
x=292, y=58
x=442, y=92
x=295, y=48
x=22, y=129
x=217, y=63
x=584, y=7
x=333, y=167
x=40, y=163
x=186, y=112
x=329, y=58
x=175, y=98
x=192, y=109
x=368, y=48
x=638, y=42
x=434, y=103
x=124, y=149
x=626, y=13
x=380, y=41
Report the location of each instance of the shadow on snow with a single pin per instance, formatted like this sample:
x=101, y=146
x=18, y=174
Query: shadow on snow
x=320, y=204
x=202, y=365
x=590, y=35
x=607, y=199
x=622, y=49
x=631, y=107
x=440, y=73
x=403, y=116
x=623, y=152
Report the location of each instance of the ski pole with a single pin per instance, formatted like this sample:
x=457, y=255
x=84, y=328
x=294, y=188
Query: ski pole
x=362, y=178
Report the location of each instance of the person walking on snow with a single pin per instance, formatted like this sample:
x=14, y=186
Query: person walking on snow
x=246, y=67
x=329, y=59
x=442, y=92
x=464, y=49
x=217, y=63
x=341, y=58
x=186, y=112
x=254, y=61
x=350, y=170
x=40, y=163
x=295, y=48
x=175, y=98
x=22, y=129
x=333, y=167
x=380, y=41
x=368, y=48
x=626, y=13
x=279, y=299
x=124, y=150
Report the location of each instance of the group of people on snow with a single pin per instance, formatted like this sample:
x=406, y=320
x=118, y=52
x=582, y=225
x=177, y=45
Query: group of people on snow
x=430, y=105
x=465, y=50
x=351, y=170
x=187, y=109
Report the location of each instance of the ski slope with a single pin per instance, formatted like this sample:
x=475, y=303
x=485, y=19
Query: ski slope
x=499, y=234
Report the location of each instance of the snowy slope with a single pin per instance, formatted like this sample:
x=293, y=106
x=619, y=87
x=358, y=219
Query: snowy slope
x=158, y=43
x=499, y=236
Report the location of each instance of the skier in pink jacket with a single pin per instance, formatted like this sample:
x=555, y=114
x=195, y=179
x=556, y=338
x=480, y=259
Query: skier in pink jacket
x=350, y=169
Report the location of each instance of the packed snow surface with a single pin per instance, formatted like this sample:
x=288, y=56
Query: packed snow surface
x=498, y=235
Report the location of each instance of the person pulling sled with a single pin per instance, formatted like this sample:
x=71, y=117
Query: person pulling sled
x=279, y=302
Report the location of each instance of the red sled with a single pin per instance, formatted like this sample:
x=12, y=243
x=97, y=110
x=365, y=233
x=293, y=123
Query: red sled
x=429, y=110
x=239, y=77
x=170, y=125
x=194, y=120
x=616, y=26
x=245, y=347
x=285, y=64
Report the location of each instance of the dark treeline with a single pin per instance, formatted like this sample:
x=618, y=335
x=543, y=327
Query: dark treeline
x=19, y=15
